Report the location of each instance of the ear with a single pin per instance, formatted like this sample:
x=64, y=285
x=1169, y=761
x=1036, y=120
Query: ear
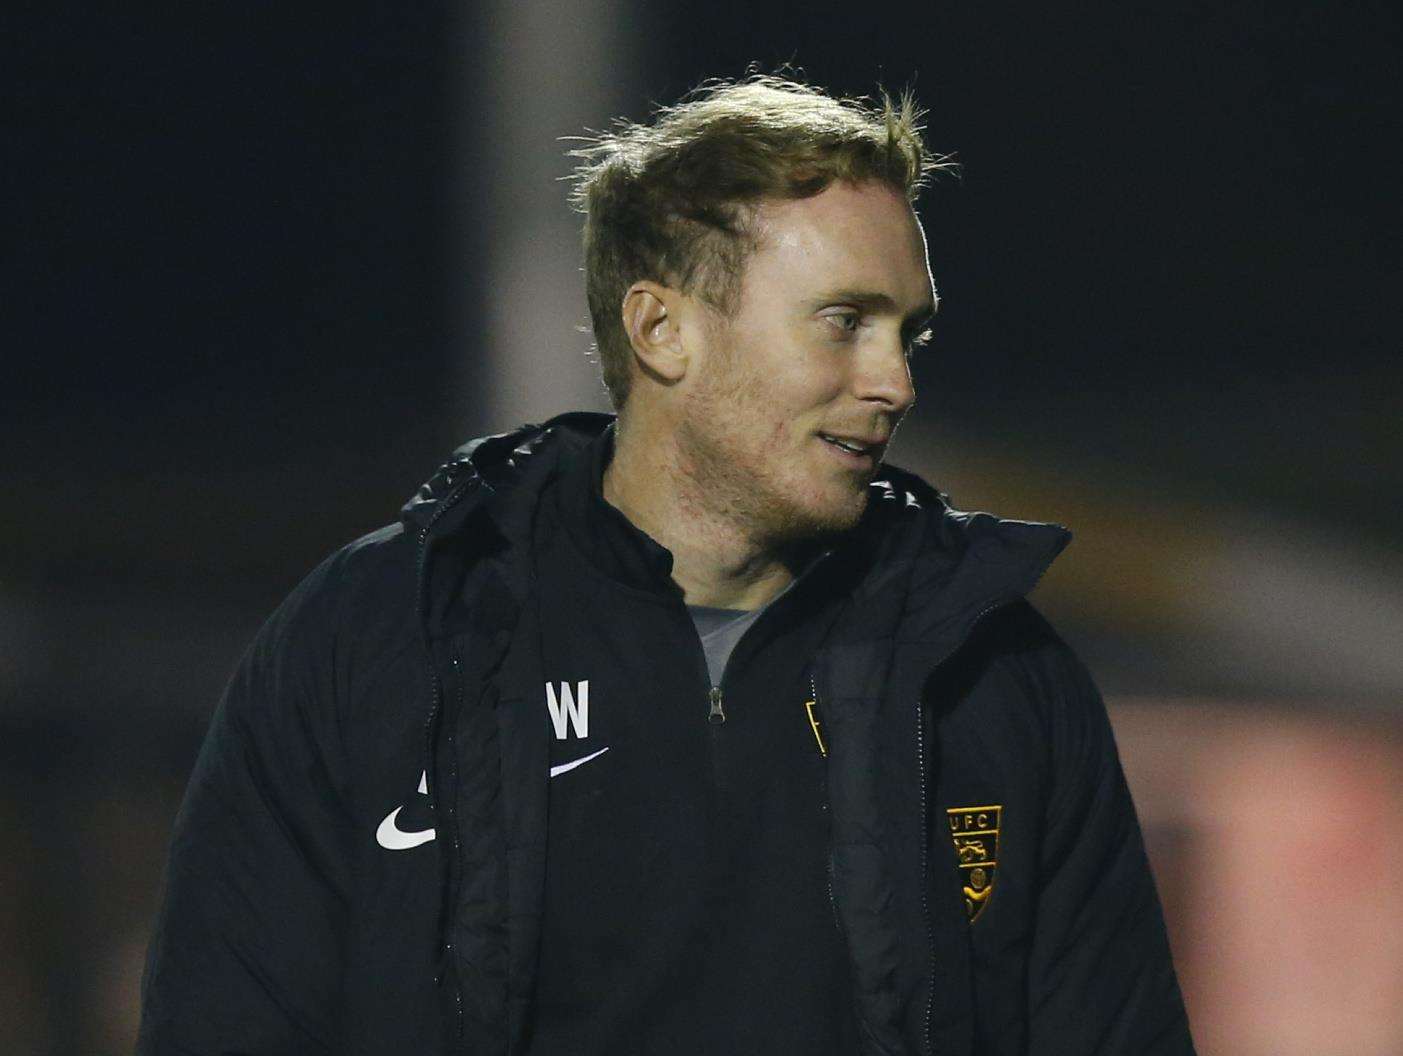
x=651, y=320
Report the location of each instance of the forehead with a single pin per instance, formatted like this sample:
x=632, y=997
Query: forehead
x=859, y=236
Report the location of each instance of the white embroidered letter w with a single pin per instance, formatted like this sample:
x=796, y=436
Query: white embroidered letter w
x=574, y=705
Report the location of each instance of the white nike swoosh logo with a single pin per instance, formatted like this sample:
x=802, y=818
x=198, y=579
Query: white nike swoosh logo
x=391, y=837
x=575, y=762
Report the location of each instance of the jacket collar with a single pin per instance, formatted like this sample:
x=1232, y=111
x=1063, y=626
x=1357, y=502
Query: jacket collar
x=921, y=570
x=608, y=539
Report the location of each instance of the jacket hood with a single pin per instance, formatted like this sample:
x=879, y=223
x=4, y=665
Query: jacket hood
x=496, y=466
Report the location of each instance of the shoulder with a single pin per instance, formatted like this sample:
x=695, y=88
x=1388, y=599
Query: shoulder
x=1017, y=672
x=354, y=586
x=1058, y=693
x=332, y=673
x=1022, y=633
x=347, y=619
x=1020, y=638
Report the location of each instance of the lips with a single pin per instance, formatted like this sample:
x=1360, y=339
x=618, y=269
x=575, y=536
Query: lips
x=857, y=452
x=855, y=445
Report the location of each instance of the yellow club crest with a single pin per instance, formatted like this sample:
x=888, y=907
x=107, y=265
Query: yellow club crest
x=975, y=831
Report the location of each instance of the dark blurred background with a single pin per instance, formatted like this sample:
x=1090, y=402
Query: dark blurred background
x=266, y=265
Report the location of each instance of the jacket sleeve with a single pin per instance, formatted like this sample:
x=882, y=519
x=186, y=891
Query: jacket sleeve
x=246, y=952
x=1101, y=980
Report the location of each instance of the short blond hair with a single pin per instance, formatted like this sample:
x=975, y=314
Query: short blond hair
x=672, y=200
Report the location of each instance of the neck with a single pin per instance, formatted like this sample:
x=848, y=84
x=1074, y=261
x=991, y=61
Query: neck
x=715, y=560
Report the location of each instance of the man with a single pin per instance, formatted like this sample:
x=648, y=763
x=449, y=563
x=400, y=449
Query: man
x=698, y=730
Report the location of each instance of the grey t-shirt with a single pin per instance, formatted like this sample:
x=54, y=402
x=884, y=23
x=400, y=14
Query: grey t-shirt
x=720, y=630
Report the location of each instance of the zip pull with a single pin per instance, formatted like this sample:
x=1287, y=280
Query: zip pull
x=716, y=715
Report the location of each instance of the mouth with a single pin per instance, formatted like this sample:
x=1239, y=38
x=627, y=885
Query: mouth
x=856, y=452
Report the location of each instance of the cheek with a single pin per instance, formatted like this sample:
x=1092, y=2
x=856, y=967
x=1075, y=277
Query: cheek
x=779, y=392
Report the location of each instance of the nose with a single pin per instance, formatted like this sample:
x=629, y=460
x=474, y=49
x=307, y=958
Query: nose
x=884, y=377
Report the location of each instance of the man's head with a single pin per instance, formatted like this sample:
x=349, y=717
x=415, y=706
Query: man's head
x=756, y=276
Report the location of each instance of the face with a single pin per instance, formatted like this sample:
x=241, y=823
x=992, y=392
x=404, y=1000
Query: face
x=794, y=400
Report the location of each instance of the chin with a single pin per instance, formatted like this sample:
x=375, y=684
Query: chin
x=827, y=514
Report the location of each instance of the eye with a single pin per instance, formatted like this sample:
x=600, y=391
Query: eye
x=847, y=321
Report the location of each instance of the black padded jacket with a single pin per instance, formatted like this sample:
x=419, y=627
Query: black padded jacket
x=358, y=864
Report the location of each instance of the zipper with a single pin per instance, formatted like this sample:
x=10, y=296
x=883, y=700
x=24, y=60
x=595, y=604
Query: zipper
x=716, y=716
x=453, y=821
x=715, y=719
x=832, y=901
x=435, y=704
x=421, y=573
x=716, y=711
x=925, y=868
x=827, y=809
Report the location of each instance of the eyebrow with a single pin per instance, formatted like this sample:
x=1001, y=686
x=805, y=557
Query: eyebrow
x=872, y=300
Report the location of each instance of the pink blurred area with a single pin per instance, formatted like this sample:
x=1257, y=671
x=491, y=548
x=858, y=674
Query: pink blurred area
x=1277, y=841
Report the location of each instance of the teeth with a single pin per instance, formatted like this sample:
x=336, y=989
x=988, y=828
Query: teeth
x=847, y=445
